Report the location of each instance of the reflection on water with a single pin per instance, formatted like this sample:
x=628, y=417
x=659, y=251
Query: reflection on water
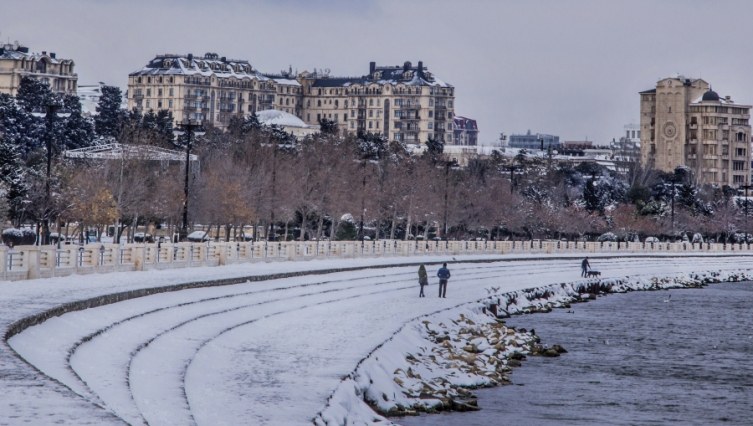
x=634, y=359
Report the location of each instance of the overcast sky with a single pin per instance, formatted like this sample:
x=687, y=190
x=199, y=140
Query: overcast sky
x=567, y=67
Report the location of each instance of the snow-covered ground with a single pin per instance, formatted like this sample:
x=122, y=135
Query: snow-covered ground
x=268, y=353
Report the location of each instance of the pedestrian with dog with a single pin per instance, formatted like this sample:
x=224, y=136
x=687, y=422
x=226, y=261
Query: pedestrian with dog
x=423, y=279
x=584, y=266
x=444, y=275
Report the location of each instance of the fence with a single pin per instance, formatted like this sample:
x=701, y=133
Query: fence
x=27, y=262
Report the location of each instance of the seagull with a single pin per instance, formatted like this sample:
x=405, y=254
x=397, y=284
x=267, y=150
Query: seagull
x=666, y=300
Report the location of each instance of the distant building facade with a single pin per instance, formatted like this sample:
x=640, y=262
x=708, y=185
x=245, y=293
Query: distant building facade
x=405, y=103
x=685, y=123
x=208, y=89
x=16, y=63
x=628, y=147
x=464, y=131
x=532, y=141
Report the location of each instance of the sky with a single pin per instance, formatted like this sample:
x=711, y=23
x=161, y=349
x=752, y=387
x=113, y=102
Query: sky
x=572, y=68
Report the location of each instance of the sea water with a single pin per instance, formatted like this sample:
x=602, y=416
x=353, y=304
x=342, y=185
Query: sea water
x=676, y=357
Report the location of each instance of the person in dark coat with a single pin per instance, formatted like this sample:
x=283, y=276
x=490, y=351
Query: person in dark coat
x=584, y=266
x=423, y=279
x=444, y=275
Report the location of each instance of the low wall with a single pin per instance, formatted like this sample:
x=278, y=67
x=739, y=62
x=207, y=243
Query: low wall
x=28, y=262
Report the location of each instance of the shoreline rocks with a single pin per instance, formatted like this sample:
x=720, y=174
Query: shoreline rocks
x=434, y=363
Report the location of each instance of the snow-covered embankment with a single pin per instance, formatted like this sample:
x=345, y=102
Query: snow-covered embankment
x=431, y=363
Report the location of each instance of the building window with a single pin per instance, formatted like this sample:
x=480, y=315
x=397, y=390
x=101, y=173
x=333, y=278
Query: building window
x=149, y=92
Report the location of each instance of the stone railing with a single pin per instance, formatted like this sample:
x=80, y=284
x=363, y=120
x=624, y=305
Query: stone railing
x=28, y=262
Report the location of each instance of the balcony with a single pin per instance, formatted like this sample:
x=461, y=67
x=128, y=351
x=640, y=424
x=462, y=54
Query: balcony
x=693, y=126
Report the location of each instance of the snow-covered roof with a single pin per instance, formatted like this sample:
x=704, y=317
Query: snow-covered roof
x=116, y=151
x=209, y=65
x=280, y=118
x=18, y=52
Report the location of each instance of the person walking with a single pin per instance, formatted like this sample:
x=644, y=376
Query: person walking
x=584, y=266
x=444, y=274
x=423, y=279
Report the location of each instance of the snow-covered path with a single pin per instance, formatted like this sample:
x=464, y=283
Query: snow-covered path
x=266, y=353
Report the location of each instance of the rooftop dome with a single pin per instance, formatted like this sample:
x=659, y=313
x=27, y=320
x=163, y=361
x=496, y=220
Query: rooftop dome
x=710, y=96
x=280, y=118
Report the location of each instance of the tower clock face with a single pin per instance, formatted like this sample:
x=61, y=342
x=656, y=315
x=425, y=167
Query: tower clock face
x=670, y=131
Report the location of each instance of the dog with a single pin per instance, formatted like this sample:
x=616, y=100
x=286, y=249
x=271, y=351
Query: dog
x=593, y=274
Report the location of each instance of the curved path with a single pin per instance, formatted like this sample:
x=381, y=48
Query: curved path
x=265, y=353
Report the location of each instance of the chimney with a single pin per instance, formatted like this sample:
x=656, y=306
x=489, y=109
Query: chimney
x=44, y=52
x=372, y=68
x=223, y=59
x=420, y=69
x=190, y=57
x=52, y=55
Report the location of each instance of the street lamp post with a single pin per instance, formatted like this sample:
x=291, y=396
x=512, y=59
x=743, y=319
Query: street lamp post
x=189, y=128
x=52, y=110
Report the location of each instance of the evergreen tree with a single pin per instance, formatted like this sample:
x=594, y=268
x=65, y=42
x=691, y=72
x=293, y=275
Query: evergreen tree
x=11, y=176
x=327, y=127
x=75, y=131
x=33, y=95
x=371, y=146
x=434, y=149
x=591, y=196
x=164, y=124
x=251, y=123
x=110, y=116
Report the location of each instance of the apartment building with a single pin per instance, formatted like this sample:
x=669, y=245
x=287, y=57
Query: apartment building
x=685, y=123
x=464, y=131
x=534, y=141
x=16, y=62
x=209, y=89
x=405, y=103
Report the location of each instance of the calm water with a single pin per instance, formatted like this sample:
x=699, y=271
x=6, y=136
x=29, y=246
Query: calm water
x=633, y=359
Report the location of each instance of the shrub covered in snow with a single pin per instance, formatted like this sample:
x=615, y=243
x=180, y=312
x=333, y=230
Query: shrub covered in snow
x=697, y=238
x=19, y=237
x=607, y=236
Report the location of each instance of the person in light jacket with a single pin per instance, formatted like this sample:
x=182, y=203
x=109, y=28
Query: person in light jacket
x=423, y=279
x=444, y=275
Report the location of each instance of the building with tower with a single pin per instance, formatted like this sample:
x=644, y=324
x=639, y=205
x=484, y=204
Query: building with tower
x=685, y=123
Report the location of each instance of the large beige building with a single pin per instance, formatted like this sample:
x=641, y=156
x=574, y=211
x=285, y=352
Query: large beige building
x=404, y=103
x=16, y=62
x=210, y=89
x=685, y=123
